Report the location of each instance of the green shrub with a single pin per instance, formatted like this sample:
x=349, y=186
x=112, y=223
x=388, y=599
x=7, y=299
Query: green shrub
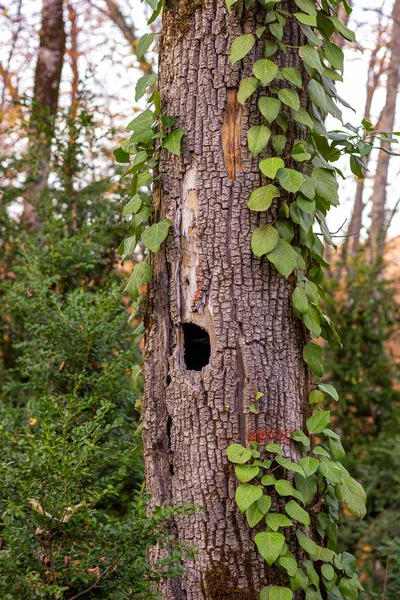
x=368, y=415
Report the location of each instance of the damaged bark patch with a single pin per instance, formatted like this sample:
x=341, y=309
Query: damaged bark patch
x=230, y=134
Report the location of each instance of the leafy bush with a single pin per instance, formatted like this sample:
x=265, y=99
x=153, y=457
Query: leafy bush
x=368, y=414
x=72, y=517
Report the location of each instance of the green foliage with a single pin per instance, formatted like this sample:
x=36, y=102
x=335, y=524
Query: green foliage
x=366, y=378
x=290, y=243
x=71, y=518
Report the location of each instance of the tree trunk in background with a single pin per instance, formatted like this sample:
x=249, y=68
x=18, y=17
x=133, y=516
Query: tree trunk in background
x=44, y=110
x=344, y=18
x=206, y=276
x=114, y=13
x=376, y=68
x=377, y=231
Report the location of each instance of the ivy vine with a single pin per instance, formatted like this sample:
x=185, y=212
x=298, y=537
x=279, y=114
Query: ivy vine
x=314, y=488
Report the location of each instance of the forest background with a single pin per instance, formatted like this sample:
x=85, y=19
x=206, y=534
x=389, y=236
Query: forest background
x=70, y=392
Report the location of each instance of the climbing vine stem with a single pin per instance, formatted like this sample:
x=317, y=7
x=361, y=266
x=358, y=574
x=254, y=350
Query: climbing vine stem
x=299, y=189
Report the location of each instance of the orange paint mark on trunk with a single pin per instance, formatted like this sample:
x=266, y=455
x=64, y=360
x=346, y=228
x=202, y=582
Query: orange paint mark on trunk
x=268, y=436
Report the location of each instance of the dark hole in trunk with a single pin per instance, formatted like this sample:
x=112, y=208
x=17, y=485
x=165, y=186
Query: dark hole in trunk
x=197, y=347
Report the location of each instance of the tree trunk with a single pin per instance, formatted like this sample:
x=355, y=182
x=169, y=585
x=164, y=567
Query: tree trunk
x=207, y=284
x=44, y=109
x=344, y=18
x=378, y=224
x=376, y=68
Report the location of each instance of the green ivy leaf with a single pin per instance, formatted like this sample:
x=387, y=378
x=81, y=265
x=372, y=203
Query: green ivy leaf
x=127, y=247
x=353, y=494
x=285, y=229
x=290, y=180
x=349, y=588
x=261, y=198
x=172, y=142
x=306, y=205
x=153, y=237
x=311, y=58
x=246, y=473
x=307, y=6
x=269, y=545
x=275, y=448
x=309, y=465
x=257, y=138
x=246, y=88
x=320, y=451
x=308, y=188
x=121, y=156
x=280, y=593
x=331, y=472
x=307, y=544
x=310, y=20
x=300, y=436
x=293, y=76
x=330, y=390
x=299, y=580
x=264, y=504
x=307, y=487
x=268, y=480
x=328, y=572
x=318, y=422
x=269, y=108
x=312, y=355
x=336, y=449
x=241, y=46
x=277, y=30
x=317, y=95
x=285, y=488
x=270, y=166
x=284, y=258
x=133, y=206
x=254, y=515
x=264, y=239
x=143, y=83
x=246, y=494
x=144, y=44
x=275, y=521
x=290, y=98
x=300, y=300
x=325, y=185
x=302, y=116
x=142, y=273
x=289, y=563
x=344, y=31
x=238, y=454
x=270, y=48
x=279, y=143
x=334, y=55
x=265, y=70
x=288, y=465
x=296, y=512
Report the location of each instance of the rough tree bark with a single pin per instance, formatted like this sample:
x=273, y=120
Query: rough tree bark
x=45, y=102
x=207, y=276
x=377, y=231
